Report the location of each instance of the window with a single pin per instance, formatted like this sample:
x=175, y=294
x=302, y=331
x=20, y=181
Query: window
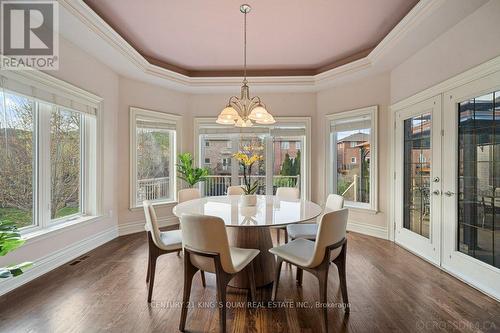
x=352, y=157
x=207, y=161
x=153, y=155
x=280, y=167
x=48, y=157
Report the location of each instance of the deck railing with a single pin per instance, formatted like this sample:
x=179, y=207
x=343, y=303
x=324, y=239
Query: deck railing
x=158, y=188
x=153, y=188
x=217, y=184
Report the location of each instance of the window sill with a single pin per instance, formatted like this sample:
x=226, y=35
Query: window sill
x=361, y=209
x=159, y=204
x=37, y=234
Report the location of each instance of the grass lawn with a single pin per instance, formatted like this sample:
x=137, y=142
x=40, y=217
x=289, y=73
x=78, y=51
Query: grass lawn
x=23, y=218
x=20, y=217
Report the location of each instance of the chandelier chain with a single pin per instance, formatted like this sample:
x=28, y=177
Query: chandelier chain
x=245, y=48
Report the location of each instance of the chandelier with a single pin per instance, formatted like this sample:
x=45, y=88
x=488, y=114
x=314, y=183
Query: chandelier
x=243, y=111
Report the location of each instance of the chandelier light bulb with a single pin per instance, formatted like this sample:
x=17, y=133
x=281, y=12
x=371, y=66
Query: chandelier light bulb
x=258, y=113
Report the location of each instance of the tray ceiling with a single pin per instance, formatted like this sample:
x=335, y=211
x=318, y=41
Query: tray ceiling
x=294, y=37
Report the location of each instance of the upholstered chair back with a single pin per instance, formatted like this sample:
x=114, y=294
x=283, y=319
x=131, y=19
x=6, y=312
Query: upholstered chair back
x=188, y=194
x=205, y=233
x=151, y=222
x=235, y=190
x=288, y=193
x=334, y=202
x=332, y=229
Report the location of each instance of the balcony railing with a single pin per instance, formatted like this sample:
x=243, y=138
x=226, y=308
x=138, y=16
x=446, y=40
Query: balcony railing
x=153, y=189
x=159, y=188
x=217, y=184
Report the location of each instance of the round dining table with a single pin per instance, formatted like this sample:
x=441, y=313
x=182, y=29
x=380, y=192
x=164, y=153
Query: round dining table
x=249, y=227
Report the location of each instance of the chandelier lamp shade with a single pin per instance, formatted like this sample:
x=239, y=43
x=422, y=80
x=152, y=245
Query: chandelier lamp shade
x=243, y=111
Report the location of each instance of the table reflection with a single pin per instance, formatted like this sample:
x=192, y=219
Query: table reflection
x=270, y=210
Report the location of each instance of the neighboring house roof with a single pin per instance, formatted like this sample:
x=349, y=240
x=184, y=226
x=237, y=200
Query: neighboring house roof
x=358, y=137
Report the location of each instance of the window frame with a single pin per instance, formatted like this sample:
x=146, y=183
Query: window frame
x=161, y=116
x=200, y=122
x=40, y=87
x=331, y=156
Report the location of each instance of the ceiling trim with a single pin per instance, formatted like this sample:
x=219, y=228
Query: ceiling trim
x=367, y=60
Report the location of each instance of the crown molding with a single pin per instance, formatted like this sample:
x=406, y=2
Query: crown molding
x=417, y=15
x=96, y=24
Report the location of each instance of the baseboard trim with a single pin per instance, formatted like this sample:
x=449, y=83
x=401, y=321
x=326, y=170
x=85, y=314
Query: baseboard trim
x=138, y=226
x=58, y=258
x=367, y=229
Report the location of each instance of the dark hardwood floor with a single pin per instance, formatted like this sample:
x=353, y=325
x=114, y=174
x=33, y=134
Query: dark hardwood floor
x=390, y=290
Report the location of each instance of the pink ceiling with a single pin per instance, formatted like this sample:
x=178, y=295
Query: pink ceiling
x=198, y=37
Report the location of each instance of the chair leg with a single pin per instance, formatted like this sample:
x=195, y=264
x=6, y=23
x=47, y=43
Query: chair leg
x=152, y=270
x=278, y=231
x=221, y=299
x=323, y=286
x=251, y=280
x=179, y=253
x=286, y=236
x=300, y=273
x=203, y=282
x=189, y=272
x=148, y=273
x=277, y=273
x=340, y=262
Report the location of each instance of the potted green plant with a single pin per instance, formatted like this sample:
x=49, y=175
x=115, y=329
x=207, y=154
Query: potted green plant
x=247, y=156
x=187, y=172
x=10, y=239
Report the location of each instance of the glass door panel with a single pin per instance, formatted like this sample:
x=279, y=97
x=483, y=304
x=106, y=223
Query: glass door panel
x=471, y=183
x=478, y=178
x=418, y=178
x=417, y=168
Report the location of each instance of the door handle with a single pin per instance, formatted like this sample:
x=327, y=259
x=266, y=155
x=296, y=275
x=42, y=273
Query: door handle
x=436, y=192
x=449, y=193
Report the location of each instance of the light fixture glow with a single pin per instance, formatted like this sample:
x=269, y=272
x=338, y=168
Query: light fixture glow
x=241, y=111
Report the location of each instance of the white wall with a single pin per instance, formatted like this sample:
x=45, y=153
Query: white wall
x=83, y=71
x=469, y=43
x=147, y=96
x=365, y=92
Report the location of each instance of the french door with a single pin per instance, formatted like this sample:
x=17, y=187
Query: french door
x=471, y=200
x=447, y=181
x=418, y=179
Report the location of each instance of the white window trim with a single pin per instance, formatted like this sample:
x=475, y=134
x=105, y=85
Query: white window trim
x=199, y=122
x=161, y=116
x=48, y=85
x=331, y=159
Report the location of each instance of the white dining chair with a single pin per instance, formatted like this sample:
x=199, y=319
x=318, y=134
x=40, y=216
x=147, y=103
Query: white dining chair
x=235, y=190
x=159, y=242
x=206, y=248
x=308, y=230
x=188, y=194
x=315, y=257
x=285, y=193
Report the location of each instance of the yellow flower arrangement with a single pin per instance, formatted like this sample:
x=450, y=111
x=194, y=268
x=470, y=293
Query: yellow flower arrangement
x=247, y=156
